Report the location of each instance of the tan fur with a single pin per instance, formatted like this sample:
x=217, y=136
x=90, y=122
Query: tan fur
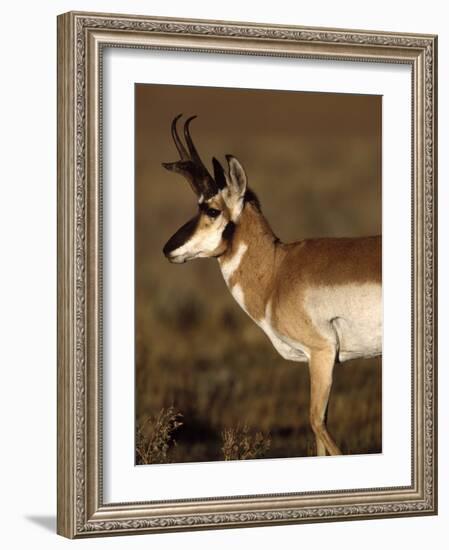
x=276, y=284
x=317, y=300
x=283, y=272
x=255, y=277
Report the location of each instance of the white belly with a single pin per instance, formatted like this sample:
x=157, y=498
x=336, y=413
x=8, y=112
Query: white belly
x=349, y=316
x=353, y=313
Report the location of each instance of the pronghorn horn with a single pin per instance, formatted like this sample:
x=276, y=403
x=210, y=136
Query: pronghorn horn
x=190, y=165
x=209, y=186
x=179, y=145
x=192, y=149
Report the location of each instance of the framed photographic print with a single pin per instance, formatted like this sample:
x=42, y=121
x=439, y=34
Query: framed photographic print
x=246, y=274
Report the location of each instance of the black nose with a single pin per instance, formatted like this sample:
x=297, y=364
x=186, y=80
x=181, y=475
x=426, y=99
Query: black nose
x=167, y=248
x=181, y=236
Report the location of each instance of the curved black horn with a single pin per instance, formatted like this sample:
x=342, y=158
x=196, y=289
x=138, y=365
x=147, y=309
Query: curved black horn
x=191, y=166
x=192, y=149
x=179, y=145
x=206, y=183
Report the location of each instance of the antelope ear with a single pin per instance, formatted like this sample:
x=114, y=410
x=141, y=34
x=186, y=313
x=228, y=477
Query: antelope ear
x=219, y=174
x=237, y=177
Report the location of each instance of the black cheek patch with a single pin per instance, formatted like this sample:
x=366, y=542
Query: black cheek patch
x=228, y=231
x=181, y=236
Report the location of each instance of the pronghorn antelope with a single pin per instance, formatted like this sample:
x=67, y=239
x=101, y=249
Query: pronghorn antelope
x=318, y=300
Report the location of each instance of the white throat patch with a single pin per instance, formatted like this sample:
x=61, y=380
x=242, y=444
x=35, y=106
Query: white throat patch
x=229, y=267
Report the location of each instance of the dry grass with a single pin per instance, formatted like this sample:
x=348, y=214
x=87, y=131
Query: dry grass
x=155, y=442
x=240, y=444
x=154, y=437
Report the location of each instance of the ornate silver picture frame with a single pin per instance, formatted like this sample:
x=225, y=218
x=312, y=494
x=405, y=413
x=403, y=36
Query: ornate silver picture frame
x=83, y=39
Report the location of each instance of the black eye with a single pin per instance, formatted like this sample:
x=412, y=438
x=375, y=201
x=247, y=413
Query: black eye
x=212, y=212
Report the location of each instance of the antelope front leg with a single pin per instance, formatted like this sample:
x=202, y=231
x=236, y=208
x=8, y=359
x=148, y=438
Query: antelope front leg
x=321, y=365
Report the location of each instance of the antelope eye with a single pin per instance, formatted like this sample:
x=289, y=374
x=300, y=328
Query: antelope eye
x=212, y=212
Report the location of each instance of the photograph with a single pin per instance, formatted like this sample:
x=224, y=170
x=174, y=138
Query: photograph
x=258, y=274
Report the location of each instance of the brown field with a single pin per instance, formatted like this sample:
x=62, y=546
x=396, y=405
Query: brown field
x=314, y=161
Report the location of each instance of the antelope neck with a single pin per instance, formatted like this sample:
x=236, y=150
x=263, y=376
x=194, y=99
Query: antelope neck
x=250, y=262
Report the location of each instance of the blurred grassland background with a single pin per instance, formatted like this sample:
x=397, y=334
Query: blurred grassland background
x=314, y=160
